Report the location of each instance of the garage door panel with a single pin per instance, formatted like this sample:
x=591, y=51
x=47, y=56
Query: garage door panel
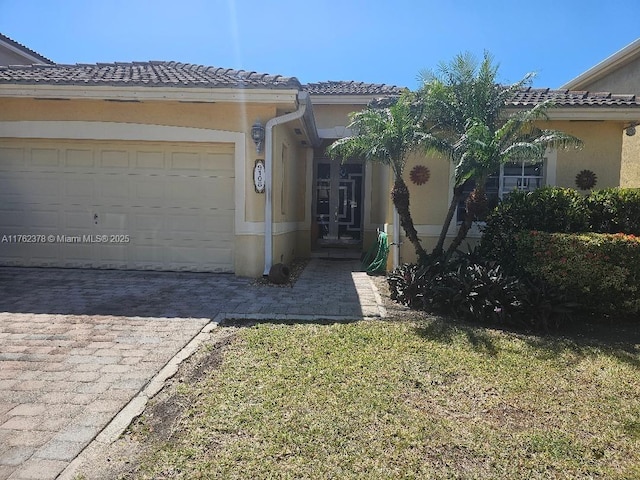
x=114, y=158
x=114, y=189
x=29, y=188
x=113, y=256
x=80, y=188
x=173, y=201
x=218, y=190
x=11, y=157
x=48, y=157
x=218, y=221
x=148, y=222
x=114, y=222
x=79, y=255
x=81, y=222
x=222, y=163
x=185, y=161
x=78, y=157
x=146, y=188
x=12, y=220
x=42, y=221
x=184, y=224
x=185, y=191
x=39, y=188
x=149, y=160
x=44, y=255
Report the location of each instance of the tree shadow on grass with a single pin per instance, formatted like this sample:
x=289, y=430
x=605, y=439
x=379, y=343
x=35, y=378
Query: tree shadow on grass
x=581, y=339
x=446, y=331
x=619, y=340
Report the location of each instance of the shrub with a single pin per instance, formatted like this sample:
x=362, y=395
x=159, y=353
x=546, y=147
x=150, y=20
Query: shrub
x=470, y=288
x=549, y=209
x=600, y=272
x=538, y=277
x=615, y=210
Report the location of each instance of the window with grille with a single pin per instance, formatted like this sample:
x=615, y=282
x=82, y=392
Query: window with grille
x=520, y=175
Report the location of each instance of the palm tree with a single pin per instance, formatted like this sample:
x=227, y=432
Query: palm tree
x=386, y=133
x=482, y=151
x=464, y=115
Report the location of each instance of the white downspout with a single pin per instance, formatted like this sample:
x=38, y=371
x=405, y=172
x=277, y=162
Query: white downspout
x=396, y=238
x=303, y=98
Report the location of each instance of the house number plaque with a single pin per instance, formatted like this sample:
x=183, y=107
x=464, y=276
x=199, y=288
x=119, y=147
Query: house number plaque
x=258, y=176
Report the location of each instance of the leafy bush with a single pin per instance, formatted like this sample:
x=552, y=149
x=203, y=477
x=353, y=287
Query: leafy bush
x=615, y=210
x=600, y=272
x=548, y=209
x=470, y=288
x=538, y=278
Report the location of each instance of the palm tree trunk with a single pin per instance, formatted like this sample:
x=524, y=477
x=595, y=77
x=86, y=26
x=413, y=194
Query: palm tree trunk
x=400, y=198
x=462, y=234
x=457, y=194
x=476, y=206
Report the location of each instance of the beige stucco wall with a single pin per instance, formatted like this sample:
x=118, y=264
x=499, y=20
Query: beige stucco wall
x=625, y=79
x=249, y=255
x=630, y=169
x=429, y=201
x=330, y=116
x=602, y=152
x=290, y=212
x=8, y=57
x=289, y=176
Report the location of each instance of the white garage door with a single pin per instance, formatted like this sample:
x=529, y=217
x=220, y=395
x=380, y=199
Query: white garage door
x=124, y=205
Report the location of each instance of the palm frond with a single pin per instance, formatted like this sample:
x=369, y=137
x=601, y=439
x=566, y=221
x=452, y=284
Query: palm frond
x=557, y=139
x=523, y=151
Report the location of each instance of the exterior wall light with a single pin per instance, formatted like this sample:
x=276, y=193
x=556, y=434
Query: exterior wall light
x=630, y=130
x=257, y=134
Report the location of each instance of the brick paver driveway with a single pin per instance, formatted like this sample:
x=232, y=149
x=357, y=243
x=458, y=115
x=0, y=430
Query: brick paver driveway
x=77, y=345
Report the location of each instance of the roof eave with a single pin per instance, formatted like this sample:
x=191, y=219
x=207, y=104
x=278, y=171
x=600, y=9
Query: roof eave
x=157, y=93
x=600, y=70
x=25, y=52
x=595, y=113
x=332, y=99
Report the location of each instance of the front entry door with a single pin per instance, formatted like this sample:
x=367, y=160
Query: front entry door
x=338, y=203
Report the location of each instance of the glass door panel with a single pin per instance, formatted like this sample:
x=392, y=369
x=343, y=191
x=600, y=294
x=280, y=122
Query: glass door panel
x=338, y=203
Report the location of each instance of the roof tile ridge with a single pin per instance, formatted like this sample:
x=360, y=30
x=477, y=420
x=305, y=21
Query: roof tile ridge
x=623, y=96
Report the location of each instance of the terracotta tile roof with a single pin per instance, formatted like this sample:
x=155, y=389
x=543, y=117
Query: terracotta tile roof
x=572, y=98
x=150, y=74
x=27, y=50
x=351, y=88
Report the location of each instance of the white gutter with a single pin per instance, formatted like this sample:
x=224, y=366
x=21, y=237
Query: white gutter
x=303, y=101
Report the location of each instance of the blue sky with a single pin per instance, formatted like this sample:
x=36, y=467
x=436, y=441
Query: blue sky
x=365, y=40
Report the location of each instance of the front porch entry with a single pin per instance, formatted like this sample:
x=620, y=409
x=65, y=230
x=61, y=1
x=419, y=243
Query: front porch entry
x=337, y=204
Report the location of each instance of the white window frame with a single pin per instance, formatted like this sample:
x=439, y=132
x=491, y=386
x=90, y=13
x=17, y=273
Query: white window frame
x=549, y=168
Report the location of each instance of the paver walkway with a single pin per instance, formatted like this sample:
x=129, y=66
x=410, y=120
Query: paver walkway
x=77, y=345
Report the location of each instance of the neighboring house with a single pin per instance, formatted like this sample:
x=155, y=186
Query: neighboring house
x=14, y=53
x=150, y=165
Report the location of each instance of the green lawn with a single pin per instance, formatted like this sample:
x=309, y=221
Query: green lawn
x=423, y=399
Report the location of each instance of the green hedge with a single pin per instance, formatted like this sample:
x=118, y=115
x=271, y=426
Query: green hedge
x=600, y=272
x=614, y=210
x=555, y=209
x=549, y=209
